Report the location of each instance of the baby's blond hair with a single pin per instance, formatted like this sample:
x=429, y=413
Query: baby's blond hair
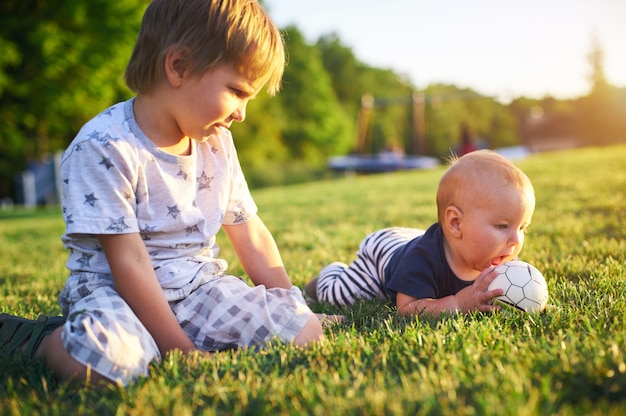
x=463, y=179
x=234, y=32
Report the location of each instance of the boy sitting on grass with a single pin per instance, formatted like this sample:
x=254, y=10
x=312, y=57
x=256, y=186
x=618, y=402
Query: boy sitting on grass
x=147, y=185
x=484, y=203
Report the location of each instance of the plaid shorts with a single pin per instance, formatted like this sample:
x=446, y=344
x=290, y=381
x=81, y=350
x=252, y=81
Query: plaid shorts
x=216, y=312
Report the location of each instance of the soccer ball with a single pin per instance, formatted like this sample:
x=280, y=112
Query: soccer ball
x=524, y=287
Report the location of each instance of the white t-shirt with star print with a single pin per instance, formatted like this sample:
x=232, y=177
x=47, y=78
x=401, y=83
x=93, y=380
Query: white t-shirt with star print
x=116, y=181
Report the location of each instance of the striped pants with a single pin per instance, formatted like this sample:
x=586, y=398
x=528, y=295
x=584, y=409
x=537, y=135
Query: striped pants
x=364, y=278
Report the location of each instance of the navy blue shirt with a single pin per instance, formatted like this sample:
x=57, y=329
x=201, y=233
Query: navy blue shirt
x=420, y=269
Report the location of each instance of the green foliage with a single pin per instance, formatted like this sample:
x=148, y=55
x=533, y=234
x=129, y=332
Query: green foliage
x=570, y=360
x=602, y=113
x=391, y=122
x=342, y=65
x=449, y=107
x=318, y=124
x=259, y=144
x=61, y=64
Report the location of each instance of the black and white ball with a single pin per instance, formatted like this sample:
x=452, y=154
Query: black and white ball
x=524, y=287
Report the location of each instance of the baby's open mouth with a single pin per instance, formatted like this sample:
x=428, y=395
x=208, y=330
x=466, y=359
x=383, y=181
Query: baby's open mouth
x=496, y=262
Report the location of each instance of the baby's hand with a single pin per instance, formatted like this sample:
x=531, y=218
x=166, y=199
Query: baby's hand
x=477, y=296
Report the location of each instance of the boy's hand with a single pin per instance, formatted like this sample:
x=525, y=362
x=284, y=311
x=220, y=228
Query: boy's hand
x=477, y=296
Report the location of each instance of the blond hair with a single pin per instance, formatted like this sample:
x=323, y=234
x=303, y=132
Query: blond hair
x=465, y=176
x=214, y=32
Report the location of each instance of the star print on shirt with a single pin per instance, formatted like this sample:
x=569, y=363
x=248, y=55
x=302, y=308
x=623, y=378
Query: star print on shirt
x=84, y=260
x=189, y=230
x=104, y=139
x=204, y=181
x=75, y=148
x=145, y=232
x=240, y=216
x=106, y=161
x=94, y=135
x=181, y=172
x=117, y=225
x=173, y=211
x=90, y=199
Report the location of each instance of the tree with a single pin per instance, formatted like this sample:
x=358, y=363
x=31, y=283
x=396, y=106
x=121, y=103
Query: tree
x=448, y=108
x=259, y=142
x=601, y=114
x=597, y=77
x=341, y=64
x=60, y=64
x=316, y=123
x=390, y=121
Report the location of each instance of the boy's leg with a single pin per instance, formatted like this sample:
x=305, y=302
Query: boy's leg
x=62, y=364
x=102, y=334
x=106, y=350
x=224, y=312
x=25, y=335
x=311, y=332
x=41, y=339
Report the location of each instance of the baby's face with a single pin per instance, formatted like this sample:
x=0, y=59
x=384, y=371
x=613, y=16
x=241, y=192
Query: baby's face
x=494, y=226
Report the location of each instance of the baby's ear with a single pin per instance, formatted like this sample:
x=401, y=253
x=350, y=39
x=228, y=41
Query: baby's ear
x=452, y=219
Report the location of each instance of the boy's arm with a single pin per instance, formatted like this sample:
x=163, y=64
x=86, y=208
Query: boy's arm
x=257, y=251
x=137, y=283
x=472, y=298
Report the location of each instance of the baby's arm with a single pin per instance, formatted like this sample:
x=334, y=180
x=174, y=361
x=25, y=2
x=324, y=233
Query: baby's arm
x=472, y=298
x=257, y=251
x=137, y=283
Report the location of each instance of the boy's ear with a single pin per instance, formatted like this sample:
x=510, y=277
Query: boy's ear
x=176, y=61
x=452, y=221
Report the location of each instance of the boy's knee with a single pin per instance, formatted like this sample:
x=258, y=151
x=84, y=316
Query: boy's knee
x=310, y=333
x=63, y=365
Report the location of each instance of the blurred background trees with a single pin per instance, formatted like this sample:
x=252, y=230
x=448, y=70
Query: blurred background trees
x=62, y=63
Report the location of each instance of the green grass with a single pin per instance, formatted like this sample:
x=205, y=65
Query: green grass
x=569, y=361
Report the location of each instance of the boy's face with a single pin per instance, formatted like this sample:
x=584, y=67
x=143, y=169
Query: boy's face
x=206, y=103
x=494, y=225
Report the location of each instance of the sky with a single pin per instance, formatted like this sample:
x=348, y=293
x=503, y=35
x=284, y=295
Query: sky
x=499, y=48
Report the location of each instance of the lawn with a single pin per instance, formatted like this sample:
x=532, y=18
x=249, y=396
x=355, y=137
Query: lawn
x=569, y=361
